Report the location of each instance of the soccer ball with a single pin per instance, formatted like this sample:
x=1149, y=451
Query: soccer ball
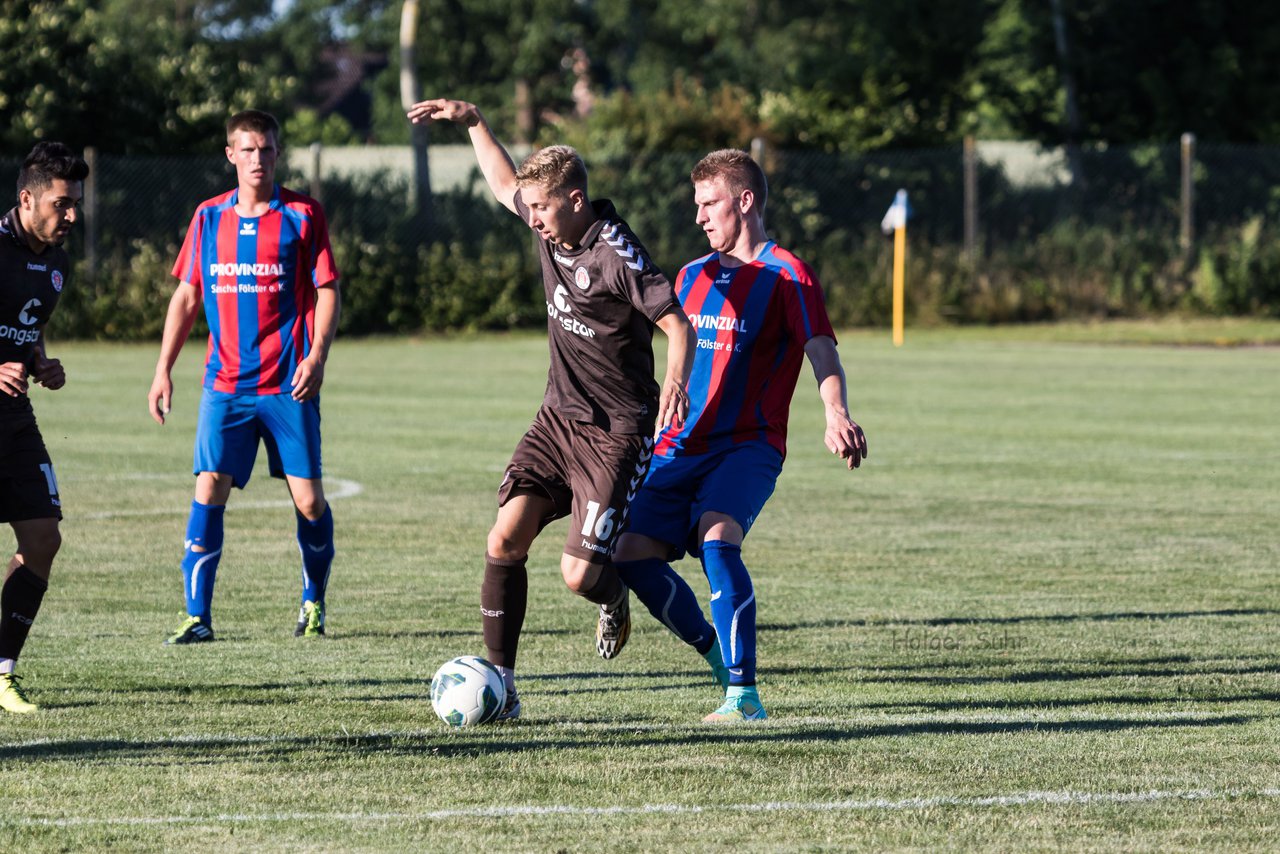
x=467, y=690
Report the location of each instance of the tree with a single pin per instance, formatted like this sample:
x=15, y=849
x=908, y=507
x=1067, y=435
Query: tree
x=127, y=76
x=1144, y=70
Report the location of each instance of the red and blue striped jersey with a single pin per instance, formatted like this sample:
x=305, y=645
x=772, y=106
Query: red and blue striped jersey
x=257, y=277
x=752, y=321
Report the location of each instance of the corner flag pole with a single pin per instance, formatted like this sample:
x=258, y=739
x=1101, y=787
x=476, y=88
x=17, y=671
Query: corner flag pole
x=895, y=220
x=899, y=263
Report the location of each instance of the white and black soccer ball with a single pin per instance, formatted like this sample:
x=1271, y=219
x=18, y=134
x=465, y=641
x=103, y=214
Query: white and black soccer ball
x=467, y=690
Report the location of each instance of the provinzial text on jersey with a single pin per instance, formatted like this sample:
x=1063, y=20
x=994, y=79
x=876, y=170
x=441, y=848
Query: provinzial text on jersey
x=715, y=321
x=244, y=269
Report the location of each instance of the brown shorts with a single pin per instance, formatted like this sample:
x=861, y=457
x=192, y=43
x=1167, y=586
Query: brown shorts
x=28, y=489
x=589, y=474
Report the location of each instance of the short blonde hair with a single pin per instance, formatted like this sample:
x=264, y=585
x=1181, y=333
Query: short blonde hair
x=556, y=169
x=738, y=172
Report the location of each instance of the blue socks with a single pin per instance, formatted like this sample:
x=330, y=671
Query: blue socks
x=669, y=599
x=733, y=605
x=200, y=568
x=733, y=608
x=315, y=541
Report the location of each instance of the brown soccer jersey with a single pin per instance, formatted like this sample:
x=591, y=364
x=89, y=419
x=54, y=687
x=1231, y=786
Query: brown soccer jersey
x=603, y=299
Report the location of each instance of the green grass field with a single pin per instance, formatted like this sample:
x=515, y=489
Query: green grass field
x=1044, y=615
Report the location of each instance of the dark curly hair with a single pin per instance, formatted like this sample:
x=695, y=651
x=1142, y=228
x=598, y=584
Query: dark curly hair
x=49, y=162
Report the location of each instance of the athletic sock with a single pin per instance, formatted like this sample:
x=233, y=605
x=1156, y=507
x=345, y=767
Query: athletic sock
x=712, y=653
x=200, y=568
x=315, y=541
x=504, y=596
x=733, y=608
x=608, y=591
x=508, y=675
x=670, y=599
x=19, y=603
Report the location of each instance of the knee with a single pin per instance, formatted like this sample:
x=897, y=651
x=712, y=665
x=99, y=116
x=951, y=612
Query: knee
x=311, y=507
x=213, y=487
x=38, y=548
x=503, y=546
x=719, y=526
x=579, y=575
x=632, y=547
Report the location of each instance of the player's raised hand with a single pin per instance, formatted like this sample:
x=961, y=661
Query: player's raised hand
x=48, y=372
x=307, y=379
x=160, y=396
x=444, y=110
x=845, y=439
x=13, y=378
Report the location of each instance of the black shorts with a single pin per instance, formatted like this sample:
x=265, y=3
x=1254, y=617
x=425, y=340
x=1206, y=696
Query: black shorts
x=589, y=474
x=28, y=489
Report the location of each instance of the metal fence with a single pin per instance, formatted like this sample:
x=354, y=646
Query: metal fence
x=993, y=193
x=975, y=200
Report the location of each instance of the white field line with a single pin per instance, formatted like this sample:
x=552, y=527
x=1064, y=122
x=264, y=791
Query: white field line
x=336, y=489
x=1020, y=799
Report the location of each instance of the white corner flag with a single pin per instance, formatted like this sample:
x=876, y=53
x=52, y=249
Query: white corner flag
x=896, y=216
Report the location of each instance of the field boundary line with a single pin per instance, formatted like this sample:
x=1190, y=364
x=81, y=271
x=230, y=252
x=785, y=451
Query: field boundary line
x=336, y=489
x=1020, y=799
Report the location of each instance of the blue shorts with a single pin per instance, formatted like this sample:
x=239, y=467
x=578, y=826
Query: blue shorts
x=230, y=426
x=736, y=481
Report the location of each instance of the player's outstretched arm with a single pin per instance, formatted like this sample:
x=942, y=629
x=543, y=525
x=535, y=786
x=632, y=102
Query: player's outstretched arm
x=496, y=165
x=48, y=372
x=673, y=402
x=843, y=436
x=177, y=326
x=309, y=375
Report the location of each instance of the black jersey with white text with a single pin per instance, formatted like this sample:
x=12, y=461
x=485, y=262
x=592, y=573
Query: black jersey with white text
x=603, y=299
x=30, y=286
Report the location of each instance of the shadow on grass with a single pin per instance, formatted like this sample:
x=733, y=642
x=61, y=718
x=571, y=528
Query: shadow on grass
x=412, y=689
x=1106, y=670
x=527, y=735
x=470, y=634
x=952, y=667
x=1016, y=620
x=1067, y=703
x=946, y=663
x=631, y=683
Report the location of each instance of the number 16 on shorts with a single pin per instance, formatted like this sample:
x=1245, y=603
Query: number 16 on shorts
x=598, y=525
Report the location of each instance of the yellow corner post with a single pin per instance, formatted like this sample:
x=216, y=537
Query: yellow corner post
x=899, y=273
x=895, y=220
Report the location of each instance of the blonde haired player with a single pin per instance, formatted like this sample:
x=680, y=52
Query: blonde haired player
x=590, y=442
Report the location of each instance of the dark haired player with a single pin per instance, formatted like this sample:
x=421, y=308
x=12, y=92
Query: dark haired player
x=258, y=259
x=590, y=443
x=759, y=311
x=34, y=268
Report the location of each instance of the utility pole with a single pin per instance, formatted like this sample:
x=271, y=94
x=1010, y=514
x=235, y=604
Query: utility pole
x=1074, y=161
x=410, y=94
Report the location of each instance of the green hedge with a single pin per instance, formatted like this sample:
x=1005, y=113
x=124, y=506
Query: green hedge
x=472, y=265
